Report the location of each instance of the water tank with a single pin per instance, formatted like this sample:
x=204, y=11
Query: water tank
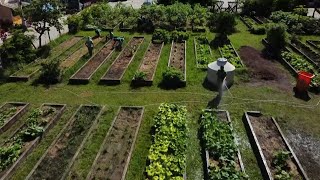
x=215, y=66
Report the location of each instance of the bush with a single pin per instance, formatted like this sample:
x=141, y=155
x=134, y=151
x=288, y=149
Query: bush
x=44, y=51
x=74, y=23
x=172, y=77
x=277, y=36
x=139, y=76
x=225, y=23
x=50, y=72
x=258, y=29
x=179, y=36
x=161, y=35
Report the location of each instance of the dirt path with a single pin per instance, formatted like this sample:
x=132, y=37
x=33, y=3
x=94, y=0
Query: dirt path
x=264, y=71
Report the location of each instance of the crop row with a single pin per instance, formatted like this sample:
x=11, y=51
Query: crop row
x=228, y=52
x=203, y=52
x=307, y=52
x=253, y=26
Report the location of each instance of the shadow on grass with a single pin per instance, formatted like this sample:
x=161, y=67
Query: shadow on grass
x=165, y=85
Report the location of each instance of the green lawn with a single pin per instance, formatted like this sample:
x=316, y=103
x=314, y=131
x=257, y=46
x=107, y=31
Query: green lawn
x=241, y=97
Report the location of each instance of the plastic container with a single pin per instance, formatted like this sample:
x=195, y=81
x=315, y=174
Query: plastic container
x=303, y=81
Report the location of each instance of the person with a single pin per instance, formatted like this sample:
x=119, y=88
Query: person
x=221, y=75
x=117, y=42
x=89, y=44
x=98, y=32
x=111, y=35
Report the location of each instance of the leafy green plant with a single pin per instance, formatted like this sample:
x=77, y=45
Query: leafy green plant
x=228, y=52
x=203, y=52
x=277, y=36
x=172, y=76
x=6, y=113
x=139, y=76
x=219, y=142
x=161, y=35
x=179, y=36
x=280, y=163
x=50, y=72
x=167, y=154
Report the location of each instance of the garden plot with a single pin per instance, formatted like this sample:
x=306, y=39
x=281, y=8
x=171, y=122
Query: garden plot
x=314, y=44
x=167, y=154
x=71, y=60
x=148, y=65
x=84, y=74
x=307, y=52
x=59, y=157
x=10, y=113
x=254, y=26
x=275, y=156
x=26, y=138
x=114, y=156
x=119, y=66
x=202, y=52
x=31, y=69
x=178, y=58
x=222, y=157
x=228, y=51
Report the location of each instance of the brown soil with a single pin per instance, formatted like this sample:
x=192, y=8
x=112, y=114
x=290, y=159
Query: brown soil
x=120, y=65
x=66, y=45
x=263, y=71
x=114, y=156
x=71, y=60
x=88, y=69
x=177, y=58
x=150, y=60
x=271, y=142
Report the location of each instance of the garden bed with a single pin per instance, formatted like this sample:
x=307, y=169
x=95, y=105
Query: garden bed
x=27, y=137
x=219, y=143
x=275, y=156
x=260, y=19
x=32, y=68
x=114, y=156
x=10, y=112
x=312, y=56
x=178, y=58
x=229, y=52
x=84, y=74
x=149, y=64
x=71, y=60
x=117, y=69
x=314, y=44
x=59, y=157
x=202, y=52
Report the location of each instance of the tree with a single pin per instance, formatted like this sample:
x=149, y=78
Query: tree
x=50, y=72
x=199, y=16
x=44, y=14
x=277, y=36
x=225, y=23
x=18, y=49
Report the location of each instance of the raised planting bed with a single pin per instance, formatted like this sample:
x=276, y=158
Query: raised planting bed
x=309, y=54
x=228, y=51
x=9, y=113
x=119, y=66
x=222, y=157
x=84, y=74
x=275, y=156
x=314, y=44
x=31, y=69
x=148, y=65
x=167, y=154
x=114, y=156
x=260, y=19
x=254, y=27
x=178, y=58
x=59, y=157
x=202, y=52
x=27, y=137
x=71, y=60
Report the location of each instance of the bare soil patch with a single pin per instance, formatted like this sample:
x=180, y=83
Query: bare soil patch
x=177, y=58
x=263, y=71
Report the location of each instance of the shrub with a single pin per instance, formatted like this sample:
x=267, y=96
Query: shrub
x=162, y=35
x=172, y=76
x=50, y=72
x=277, y=36
x=74, y=23
x=179, y=36
x=44, y=51
x=258, y=29
x=225, y=23
x=139, y=76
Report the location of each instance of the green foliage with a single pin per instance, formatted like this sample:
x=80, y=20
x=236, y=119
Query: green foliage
x=203, y=50
x=220, y=144
x=18, y=49
x=33, y=128
x=277, y=36
x=44, y=51
x=280, y=164
x=254, y=27
x=172, y=76
x=179, y=36
x=155, y=13
x=228, y=52
x=301, y=10
x=50, y=72
x=199, y=16
x=178, y=14
x=296, y=23
x=167, y=154
x=162, y=35
x=6, y=113
x=139, y=76
x=224, y=22
x=74, y=23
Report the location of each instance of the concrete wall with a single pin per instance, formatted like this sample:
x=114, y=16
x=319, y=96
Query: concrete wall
x=5, y=14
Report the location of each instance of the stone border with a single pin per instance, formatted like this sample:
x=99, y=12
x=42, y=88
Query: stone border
x=195, y=51
x=69, y=122
x=184, y=82
x=265, y=170
x=104, y=80
x=15, y=117
x=74, y=80
x=148, y=82
x=9, y=171
x=16, y=78
x=107, y=135
x=234, y=137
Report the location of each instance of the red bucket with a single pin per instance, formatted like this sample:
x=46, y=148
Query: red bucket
x=303, y=81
